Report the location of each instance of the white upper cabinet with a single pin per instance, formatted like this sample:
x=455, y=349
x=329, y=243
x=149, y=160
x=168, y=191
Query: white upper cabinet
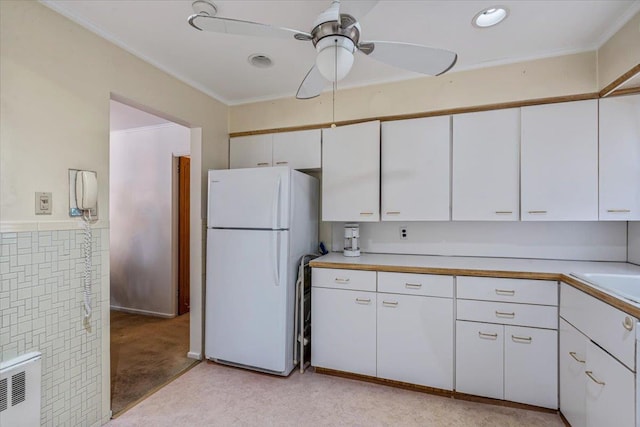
x=486, y=166
x=620, y=158
x=415, y=169
x=559, y=166
x=351, y=173
x=298, y=150
x=250, y=151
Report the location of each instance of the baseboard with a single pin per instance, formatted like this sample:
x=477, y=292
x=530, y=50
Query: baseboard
x=194, y=355
x=145, y=312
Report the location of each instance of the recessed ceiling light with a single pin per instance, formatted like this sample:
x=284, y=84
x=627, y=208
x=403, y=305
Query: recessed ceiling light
x=260, y=61
x=490, y=16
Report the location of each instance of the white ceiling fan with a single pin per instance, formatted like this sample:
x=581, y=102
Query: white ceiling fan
x=335, y=35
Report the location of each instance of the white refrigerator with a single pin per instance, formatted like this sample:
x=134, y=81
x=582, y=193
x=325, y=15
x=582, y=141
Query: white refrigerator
x=259, y=223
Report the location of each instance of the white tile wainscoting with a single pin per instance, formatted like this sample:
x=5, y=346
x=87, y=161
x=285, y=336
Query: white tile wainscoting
x=41, y=309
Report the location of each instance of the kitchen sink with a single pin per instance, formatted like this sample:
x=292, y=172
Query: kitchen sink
x=624, y=285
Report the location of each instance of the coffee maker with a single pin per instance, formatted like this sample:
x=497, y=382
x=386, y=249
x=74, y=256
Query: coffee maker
x=351, y=240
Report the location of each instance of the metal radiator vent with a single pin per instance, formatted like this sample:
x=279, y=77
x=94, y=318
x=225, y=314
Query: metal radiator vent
x=4, y=394
x=18, y=388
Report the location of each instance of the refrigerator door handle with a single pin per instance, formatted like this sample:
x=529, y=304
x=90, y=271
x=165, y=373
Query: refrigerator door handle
x=276, y=258
x=276, y=205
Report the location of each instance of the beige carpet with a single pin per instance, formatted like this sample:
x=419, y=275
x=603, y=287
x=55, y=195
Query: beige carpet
x=215, y=395
x=146, y=352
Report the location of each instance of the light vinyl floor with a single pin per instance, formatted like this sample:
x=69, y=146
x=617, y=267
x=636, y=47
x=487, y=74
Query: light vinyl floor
x=216, y=395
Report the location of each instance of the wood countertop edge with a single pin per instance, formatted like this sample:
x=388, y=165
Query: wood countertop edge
x=572, y=281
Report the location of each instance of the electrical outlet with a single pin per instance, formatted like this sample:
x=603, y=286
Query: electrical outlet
x=403, y=232
x=43, y=203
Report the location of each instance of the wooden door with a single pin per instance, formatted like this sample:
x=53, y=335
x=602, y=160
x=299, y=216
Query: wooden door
x=184, y=172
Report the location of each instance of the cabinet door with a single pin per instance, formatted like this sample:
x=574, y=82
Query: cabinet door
x=351, y=173
x=573, y=381
x=531, y=366
x=486, y=166
x=610, y=390
x=344, y=330
x=250, y=151
x=620, y=158
x=559, y=162
x=298, y=150
x=480, y=359
x=415, y=340
x=415, y=169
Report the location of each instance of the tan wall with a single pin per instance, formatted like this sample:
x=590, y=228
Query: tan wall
x=550, y=77
x=55, y=84
x=620, y=53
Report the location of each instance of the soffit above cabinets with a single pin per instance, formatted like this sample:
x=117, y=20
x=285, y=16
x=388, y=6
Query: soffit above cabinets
x=157, y=31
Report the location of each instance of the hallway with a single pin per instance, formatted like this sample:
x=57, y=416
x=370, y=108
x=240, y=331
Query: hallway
x=146, y=352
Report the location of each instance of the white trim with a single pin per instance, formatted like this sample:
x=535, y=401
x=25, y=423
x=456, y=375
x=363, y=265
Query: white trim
x=109, y=37
x=145, y=312
x=618, y=24
x=194, y=355
x=71, y=224
x=146, y=128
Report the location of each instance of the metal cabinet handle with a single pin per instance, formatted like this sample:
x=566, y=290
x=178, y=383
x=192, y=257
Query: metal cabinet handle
x=504, y=212
x=522, y=340
x=484, y=335
x=366, y=213
x=628, y=323
x=537, y=212
x=393, y=213
x=390, y=303
x=506, y=292
x=619, y=210
x=363, y=300
x=590, y=375
x=341, y=280
x=413, y=285
x=282, y=163
x=573, y=354
x=263, y=164
x=503, y=314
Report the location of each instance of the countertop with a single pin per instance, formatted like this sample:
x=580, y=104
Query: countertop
x=492, y=267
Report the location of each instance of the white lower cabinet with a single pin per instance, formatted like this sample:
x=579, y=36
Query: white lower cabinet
x=507, y=362
x=480, y=359
x=415, y=340
x=531, y=366
x=610, y=391
x=573, y=381
x=344, y=330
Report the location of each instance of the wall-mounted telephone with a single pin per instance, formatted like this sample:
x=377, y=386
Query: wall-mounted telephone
x=86, y=190
x=83, y=201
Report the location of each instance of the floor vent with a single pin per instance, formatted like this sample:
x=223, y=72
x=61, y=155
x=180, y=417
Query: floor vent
x=20, y=390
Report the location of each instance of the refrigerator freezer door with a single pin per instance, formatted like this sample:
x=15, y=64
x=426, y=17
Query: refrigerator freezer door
x=247, y=297
x=249, y=198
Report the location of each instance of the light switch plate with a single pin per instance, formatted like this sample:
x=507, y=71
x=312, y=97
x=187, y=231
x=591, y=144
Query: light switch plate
x=43, y=203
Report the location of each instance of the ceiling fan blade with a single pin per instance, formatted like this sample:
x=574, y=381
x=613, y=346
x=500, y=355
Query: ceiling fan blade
x=413, y=57
x=357, y=8
x=312, y=84
x=244, y=28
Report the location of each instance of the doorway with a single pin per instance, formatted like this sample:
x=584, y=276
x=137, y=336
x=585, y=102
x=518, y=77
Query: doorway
x=149, y=253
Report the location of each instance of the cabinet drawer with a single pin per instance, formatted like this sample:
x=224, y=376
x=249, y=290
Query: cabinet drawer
x=540, y=316
x=416, y=284
x=508, y=290
x=356, y=280
x=601, y=322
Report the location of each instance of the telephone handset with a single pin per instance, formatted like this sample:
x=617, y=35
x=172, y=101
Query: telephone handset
x=86, y=200
x=86, y=190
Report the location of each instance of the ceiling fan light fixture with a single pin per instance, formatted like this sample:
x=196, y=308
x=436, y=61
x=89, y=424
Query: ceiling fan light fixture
x=490, y=16
x=335, y=57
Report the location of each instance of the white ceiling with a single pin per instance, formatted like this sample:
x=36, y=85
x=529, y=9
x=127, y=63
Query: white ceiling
x=158, y=32
x=124, y=117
